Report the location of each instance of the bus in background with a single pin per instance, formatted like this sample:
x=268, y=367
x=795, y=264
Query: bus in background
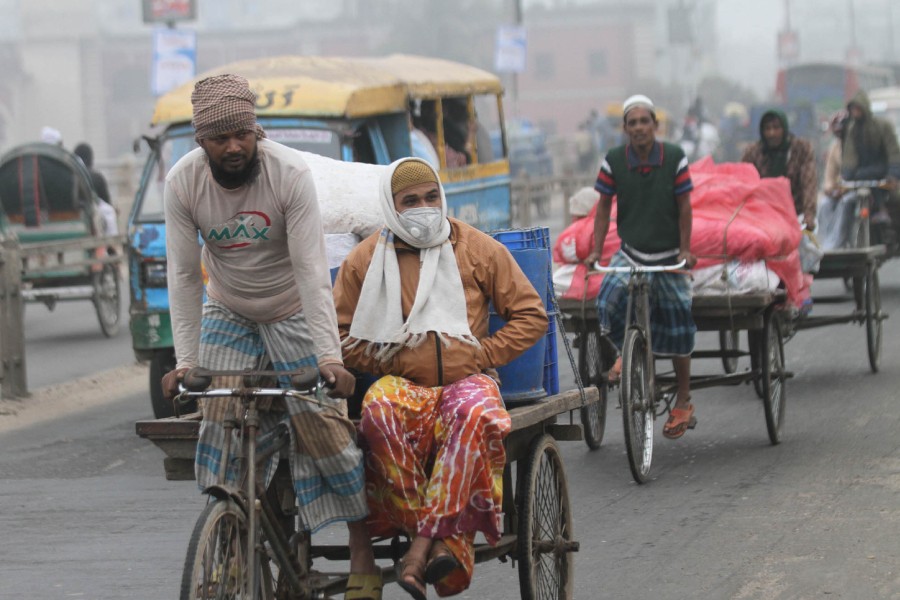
x=827, y=86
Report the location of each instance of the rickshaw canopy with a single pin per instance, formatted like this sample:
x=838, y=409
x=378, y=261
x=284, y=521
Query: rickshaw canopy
x=47, y=190
x=336, y=87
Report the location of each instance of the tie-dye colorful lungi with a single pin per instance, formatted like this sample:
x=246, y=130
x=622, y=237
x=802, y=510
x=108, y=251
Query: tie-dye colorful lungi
x=671, y=321
x=326, y=464
x=434, y=464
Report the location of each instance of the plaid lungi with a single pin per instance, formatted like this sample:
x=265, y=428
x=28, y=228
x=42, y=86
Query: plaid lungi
x=326, y=464
x=672, y=326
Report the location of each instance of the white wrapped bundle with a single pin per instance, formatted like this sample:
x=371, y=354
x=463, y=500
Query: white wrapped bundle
x=348, y=194
x=735, y=277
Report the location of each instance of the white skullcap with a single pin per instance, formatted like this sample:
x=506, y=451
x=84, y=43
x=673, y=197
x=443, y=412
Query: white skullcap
x=50, y=135
x=582, y=202
x=638, y=101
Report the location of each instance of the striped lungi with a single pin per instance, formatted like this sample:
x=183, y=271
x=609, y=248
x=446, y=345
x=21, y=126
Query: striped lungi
x=672, y=326
x=326, y=464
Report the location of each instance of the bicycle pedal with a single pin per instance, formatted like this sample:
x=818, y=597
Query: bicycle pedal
x=692, y=423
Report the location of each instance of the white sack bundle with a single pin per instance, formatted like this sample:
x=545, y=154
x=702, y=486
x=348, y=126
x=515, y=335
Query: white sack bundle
x=348, y=194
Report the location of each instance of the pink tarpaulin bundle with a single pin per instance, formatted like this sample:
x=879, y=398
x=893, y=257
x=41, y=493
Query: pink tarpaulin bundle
x=736, y=216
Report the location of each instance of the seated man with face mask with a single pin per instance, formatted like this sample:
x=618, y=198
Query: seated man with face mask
x=412, y=304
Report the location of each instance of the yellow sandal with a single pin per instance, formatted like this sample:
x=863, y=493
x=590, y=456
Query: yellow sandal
x=364, y=586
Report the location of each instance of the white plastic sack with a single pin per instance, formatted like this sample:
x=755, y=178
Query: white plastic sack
x=735, y=277
x=338, y=246
x=811, y=253
x=348, y=194
x=562, y=278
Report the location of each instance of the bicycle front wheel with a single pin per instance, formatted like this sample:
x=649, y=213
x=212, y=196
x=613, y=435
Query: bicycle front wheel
x=638, y=412
x=216, y=561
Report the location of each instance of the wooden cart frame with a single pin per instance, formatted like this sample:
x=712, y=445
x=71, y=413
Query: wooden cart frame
x=858, y=268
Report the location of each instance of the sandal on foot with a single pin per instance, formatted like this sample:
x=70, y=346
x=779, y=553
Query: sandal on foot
x=615, y=373
x=680, y=420
x=441, y=562
x=410, y=576
x=364, y=586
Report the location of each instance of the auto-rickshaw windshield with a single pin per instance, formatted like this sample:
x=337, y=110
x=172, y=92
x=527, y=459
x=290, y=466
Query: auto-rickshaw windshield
x=175, y=145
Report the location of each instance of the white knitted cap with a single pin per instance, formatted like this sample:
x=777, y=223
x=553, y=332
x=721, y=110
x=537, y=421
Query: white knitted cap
x=638, y=101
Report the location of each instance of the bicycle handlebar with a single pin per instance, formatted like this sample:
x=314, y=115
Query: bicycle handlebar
x=639, y=268
x=307, y=385
x=864, y=183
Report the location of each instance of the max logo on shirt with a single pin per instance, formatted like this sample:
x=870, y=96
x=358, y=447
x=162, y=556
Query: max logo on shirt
x=241, y=230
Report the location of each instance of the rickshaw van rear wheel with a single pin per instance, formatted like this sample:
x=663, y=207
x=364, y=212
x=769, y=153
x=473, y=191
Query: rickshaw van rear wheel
x=545, y=533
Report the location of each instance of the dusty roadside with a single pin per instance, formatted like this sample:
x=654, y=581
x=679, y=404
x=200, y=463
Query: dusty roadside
x=59, y=400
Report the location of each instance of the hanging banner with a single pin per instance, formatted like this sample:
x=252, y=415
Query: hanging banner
x=174, y=58
x=510, y=50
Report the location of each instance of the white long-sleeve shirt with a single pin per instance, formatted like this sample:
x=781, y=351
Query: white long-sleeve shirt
x=263, y=249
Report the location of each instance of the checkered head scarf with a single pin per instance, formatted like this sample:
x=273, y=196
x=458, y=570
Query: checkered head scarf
x=223, y=104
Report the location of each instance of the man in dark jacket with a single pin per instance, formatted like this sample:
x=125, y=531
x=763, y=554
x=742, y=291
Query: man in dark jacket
x=779, y=153
x=870, y=144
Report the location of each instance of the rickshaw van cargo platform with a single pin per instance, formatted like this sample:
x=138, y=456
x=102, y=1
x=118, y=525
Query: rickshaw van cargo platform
x=347, y=110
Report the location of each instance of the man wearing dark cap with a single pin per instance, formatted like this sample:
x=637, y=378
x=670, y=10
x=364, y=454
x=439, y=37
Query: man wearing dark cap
x=652, y=186
x=871, y=152
x=780, y=153
x=412, y=303
x=254, y=205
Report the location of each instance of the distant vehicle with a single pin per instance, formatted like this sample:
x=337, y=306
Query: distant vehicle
x=828, y=86
x=47, y=202
x=528, y=153
x=528, y=158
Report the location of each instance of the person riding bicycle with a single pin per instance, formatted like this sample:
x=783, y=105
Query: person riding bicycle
x=870, y=152
x=780, y=153
x=413, y=305
x=652, y=184
x=253, y=203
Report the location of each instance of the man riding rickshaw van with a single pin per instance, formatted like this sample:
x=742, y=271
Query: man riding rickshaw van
x=351, y=117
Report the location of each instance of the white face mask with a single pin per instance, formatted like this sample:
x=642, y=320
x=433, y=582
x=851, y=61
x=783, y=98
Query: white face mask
x=421, y=223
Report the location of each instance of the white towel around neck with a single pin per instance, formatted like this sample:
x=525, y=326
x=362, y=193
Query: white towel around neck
x=440, y=303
